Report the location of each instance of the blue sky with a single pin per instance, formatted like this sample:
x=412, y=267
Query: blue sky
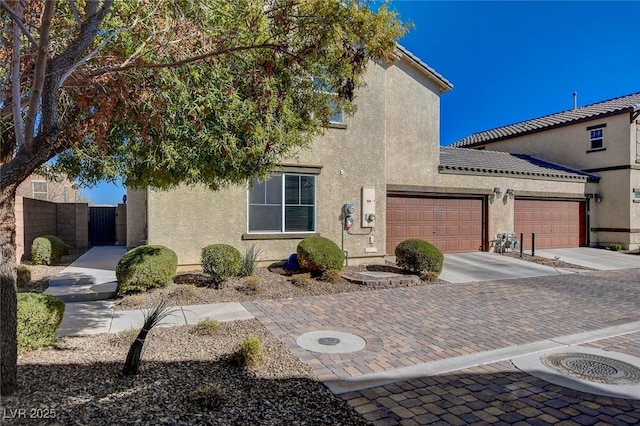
x=512, y=60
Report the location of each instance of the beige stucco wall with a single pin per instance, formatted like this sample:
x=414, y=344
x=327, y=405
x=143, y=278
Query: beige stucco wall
x=413, y=126
x=568, y=145
x=136, y=217
x=188, y=219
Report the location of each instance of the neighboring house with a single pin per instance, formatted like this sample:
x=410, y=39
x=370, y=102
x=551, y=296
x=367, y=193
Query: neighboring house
x=57, y=191
x=388, y=162
x=602, y=138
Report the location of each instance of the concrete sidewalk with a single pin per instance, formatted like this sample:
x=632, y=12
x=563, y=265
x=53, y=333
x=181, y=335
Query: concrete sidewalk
x=88, y=287
x=86, y=318
x=90, y=277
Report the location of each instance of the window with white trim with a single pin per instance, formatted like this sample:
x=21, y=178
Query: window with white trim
x=596, y=138
x=336, y=116
x=284, y=203
x=40, y=190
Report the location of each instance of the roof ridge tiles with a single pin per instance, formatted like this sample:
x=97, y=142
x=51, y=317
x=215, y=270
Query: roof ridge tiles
x=560, y=118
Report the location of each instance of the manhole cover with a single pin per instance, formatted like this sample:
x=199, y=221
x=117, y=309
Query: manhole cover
x=331, y=342
x=594, y=368
x=586, y=369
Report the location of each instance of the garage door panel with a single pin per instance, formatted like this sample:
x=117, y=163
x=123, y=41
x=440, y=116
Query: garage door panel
x=555, y=223
x=451, y=224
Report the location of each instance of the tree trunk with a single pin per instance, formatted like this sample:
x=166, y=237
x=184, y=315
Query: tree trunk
x=8, y=292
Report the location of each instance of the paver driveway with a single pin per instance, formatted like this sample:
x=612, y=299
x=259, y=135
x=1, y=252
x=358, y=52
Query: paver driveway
x=411, y=326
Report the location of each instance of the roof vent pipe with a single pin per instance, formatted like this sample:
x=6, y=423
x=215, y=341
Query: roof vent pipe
x=575, y=100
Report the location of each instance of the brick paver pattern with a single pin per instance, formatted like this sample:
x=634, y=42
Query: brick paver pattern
x=409, y=326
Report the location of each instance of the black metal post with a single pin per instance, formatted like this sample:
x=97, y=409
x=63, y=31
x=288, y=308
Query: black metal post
x=533, y=244
x=521, y=244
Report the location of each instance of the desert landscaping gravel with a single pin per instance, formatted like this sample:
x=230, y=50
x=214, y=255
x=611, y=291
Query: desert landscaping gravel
x=79, y=381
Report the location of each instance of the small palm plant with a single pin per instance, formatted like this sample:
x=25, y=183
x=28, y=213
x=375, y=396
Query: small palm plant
x=152, y=317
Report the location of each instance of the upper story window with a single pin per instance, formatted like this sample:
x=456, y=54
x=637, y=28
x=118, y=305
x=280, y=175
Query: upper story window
x=284, y=203
x=336, y=116
x=596, y=137
x=40, y=190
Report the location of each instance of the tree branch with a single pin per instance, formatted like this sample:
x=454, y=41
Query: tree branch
x=76, y=14
x=39, y=72
x=15, y=80
x=18, y=20
x=87, y=58
x=226, y=50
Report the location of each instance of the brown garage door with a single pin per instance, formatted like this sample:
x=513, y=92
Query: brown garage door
x=451, y=224
x=555, y=223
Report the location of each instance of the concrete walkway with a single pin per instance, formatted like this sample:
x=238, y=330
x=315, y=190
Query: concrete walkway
x=86, y=318
x=90, y=277
x=88, y=287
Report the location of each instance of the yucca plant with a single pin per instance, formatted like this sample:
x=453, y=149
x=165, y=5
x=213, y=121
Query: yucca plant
x=249, y=261
x=152, y=317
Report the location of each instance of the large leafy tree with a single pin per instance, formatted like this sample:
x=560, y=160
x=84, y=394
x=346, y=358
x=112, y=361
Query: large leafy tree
x=165, y=92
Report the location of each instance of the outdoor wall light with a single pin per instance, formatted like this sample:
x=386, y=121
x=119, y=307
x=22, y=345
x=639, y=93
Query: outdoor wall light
x=510, y=193
x=598, y=197
x=497, y=191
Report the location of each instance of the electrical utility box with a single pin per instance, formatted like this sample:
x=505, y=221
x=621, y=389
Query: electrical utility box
x=368, y=207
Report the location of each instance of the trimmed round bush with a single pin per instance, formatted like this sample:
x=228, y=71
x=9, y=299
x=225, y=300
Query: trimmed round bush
x=220, y=261
x=39, y=316
x=47, y=249
x=144, y=268
x=419, y=256
x=319, y=255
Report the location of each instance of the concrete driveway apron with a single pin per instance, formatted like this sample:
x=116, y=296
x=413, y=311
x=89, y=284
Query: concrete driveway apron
x=485, y=266
x=600, y=259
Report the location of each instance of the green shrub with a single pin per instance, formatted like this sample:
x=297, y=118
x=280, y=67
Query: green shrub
x=24, y=275
x=39, y=316
x=319, y=254
x=250, y=352
x=144, y=268
x=615, y=246
x=220, y=261
x=47, y=249
x=249, y=261
x=419, y=256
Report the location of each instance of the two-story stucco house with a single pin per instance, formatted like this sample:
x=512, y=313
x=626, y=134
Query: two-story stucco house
x=387, y=161
x=602, y=138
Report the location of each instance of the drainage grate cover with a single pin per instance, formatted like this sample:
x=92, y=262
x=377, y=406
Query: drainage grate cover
x=594, y=368
x=586, y=369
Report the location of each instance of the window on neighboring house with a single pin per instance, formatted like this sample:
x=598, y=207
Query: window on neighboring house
x=40, y=190
x=284, y=203
x=596, y=138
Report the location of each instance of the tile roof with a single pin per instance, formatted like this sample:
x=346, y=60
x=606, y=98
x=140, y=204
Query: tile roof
x=627, y=103
x=480, y=161
x=445, y=85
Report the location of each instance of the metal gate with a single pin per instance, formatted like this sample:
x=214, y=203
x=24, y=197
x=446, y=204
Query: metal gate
x=102, y=226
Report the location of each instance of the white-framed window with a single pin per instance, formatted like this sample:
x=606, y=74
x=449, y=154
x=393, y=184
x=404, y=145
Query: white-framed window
x=596, y=138
x=336, y=116
x=40, y=190
x=284, y=203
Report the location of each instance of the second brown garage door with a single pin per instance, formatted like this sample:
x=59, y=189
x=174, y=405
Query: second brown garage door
x=556, y=223
x=451, y=224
